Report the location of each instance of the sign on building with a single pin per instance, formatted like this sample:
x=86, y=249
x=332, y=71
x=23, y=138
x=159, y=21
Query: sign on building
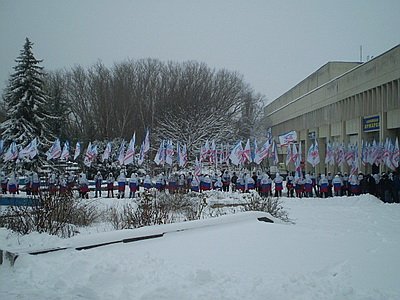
x=371, y=123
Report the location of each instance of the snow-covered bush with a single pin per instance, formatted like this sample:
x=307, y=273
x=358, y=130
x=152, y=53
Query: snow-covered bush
x=55, y=215
x=271, y=205
x=157, y=208
x=149, y=210
x=124, y=218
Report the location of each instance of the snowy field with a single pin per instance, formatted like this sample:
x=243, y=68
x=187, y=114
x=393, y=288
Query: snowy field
x=337, y=248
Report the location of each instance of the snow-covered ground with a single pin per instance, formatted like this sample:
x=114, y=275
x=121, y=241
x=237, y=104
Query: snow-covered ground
x=337, y=248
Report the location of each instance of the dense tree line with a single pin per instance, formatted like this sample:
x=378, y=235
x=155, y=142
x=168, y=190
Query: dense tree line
x=186, y=102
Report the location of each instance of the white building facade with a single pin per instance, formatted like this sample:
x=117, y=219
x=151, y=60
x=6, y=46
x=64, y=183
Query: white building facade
x=342, y=102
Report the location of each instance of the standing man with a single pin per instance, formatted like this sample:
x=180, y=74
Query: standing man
x=98, y=180
x=121, y=184
x=110, y=185
x=226, y=181
x=337, y=185
x=234, y=181
x=278, y=181
x=83, y=186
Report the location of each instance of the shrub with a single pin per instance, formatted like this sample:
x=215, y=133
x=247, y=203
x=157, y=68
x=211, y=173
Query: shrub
x=53, y=214
x=157, y=208
x=271, y=205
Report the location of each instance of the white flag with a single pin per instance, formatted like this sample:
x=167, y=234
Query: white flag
x=160, y=156
x=107, y=152
x=182, y=156
x=263, y=152
x=396, y=154
x=55, y=150
x=65, y=151
x=169, y=153
x=204, y=152
x=288, y=155
x=329, y=157
x=287, y=138
x=12, y=152
x=247, y=152
x=146, y=144
x=141, y=154
x=30, y=150
x=313, y=154
x=90, y=155
x=121, y=154
x=236, y=154
x=130, y=152
x=77, y=150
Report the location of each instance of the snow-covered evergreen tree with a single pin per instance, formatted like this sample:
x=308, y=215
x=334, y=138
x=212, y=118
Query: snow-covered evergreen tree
x=25, y=102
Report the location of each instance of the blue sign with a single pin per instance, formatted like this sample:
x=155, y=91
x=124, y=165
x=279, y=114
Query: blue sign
x=371, y=123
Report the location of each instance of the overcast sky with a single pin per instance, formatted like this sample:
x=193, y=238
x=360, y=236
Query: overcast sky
x=274, y=44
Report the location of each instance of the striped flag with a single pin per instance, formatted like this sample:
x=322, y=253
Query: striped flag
x=182, y=152
x=236, y=154
x=246, y=155
x=12, y=152
x=90, y=155
x=197, y=168
x=65, y=151
x=55, y=150
x=169, y=153
x=30, y=150
x=130, y=152
x=396, y=154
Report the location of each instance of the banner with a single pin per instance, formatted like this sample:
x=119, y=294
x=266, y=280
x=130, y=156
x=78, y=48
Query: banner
x=288, y=138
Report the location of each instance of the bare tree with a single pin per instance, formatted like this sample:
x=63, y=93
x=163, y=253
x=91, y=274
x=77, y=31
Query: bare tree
x=188, y=101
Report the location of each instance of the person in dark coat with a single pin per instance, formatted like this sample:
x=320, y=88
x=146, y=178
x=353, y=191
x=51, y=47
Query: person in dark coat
x=385, y=188
x=226, y=181
x=396, y=187
x=98, y=180
x=234, y=181
x=363, y=183
x=255, y=178
x=371, y=186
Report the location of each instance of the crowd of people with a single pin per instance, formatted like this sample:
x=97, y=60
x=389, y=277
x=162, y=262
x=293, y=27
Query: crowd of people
x=384, y=186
